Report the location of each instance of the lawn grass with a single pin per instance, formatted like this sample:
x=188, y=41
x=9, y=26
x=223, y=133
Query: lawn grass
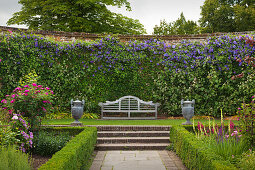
x=128, y=122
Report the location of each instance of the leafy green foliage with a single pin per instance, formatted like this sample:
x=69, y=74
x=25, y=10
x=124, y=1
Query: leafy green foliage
x=247, y=121
x=13, y=159
x=216, y=73
x=178, y=27
x=247, y=160
x=7, y=136
x=227, y=16
x=48, y=143
x=90, y=16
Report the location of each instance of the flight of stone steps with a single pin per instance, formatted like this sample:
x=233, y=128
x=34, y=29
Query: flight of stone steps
x=132, y=137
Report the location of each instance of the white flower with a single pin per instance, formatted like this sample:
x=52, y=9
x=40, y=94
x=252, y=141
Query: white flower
x=15, y=117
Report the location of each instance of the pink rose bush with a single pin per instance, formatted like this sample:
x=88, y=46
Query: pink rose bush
x=31, y=101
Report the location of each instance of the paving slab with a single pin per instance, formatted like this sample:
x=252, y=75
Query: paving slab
x=136, y=160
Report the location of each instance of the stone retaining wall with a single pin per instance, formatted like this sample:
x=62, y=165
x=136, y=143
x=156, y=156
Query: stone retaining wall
x=71, y=36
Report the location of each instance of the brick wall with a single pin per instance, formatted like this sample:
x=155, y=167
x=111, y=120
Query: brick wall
x=71, y=36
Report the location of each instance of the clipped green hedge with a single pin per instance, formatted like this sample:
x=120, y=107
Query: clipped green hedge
x=194, y=153
x=76, y=154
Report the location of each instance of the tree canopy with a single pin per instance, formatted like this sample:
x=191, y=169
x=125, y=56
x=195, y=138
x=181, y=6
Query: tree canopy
x=228, y=15
x=178, y=27
x=91, y=16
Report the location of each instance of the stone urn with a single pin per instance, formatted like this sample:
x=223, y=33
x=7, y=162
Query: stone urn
x=187, y=110
x=77, y=111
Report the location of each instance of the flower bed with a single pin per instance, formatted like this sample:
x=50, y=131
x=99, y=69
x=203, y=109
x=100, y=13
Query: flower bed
x=195, y=153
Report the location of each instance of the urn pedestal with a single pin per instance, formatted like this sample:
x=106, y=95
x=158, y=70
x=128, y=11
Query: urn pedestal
x=187, y=110
x=77, y=111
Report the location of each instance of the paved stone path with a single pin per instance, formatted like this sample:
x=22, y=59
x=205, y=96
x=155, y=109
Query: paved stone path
x=137, y=160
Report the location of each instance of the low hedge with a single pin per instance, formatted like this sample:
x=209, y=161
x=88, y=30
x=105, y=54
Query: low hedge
x=194, y=153
x=76, y=154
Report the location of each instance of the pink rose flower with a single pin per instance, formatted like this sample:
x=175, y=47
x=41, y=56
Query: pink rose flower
x=47, y=88
x=26, y=91
x=39, y=86
x=13, y=101
x=3, y=101
x=26, y=86
x=34, y=84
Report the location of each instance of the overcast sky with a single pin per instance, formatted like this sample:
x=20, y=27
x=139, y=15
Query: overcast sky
x=148, y=12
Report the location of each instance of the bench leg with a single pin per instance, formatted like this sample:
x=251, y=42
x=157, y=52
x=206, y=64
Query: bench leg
x=156, y=113
x=102, y=114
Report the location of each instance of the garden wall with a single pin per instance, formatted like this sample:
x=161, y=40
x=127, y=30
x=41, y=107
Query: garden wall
x=71, y=36
x=218, y=74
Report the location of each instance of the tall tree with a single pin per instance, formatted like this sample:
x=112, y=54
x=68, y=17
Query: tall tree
x=91, y=16
x=178, y=27
x=227, y=15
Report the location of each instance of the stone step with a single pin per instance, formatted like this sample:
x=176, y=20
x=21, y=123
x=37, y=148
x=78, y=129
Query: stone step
x=101, y=140
x=131, y=128
x=133, y=133
x=132, y=146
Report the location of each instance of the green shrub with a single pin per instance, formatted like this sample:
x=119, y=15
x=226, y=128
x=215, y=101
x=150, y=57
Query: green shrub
x=7, y=136
x=195, y=153
x=12, y=159
x=76, y=154
x=247, y=161
x=247, y=121
x=48, y=143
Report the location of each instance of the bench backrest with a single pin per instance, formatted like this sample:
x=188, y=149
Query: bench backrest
x=129, y=103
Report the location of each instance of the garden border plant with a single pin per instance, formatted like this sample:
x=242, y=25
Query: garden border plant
x=194, y=153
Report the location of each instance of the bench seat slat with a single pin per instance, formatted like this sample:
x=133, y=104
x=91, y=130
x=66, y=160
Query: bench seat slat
x=142, y=111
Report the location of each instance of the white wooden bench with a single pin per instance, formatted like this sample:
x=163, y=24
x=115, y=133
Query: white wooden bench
x=128, y=105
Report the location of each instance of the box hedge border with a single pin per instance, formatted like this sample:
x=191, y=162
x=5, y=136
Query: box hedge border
x=194, y=153
x=77, y=152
